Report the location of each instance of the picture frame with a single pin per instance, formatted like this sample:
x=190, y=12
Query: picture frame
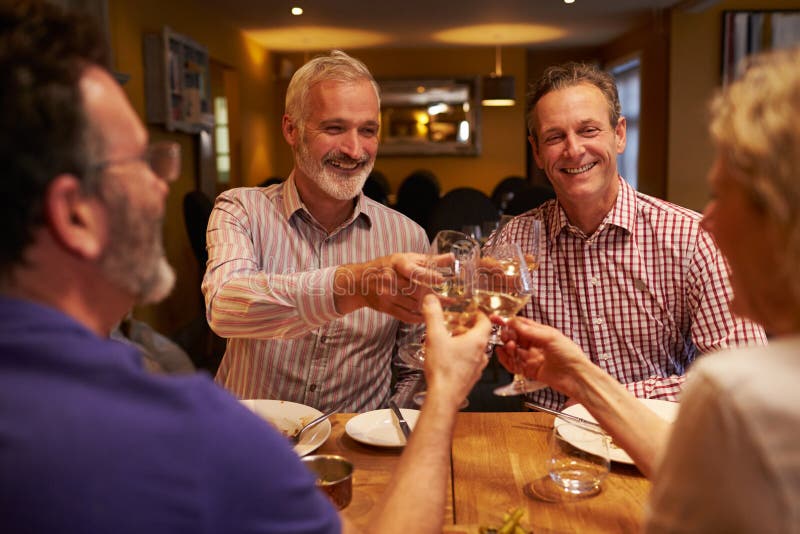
x=746, y=32
x=430, y=117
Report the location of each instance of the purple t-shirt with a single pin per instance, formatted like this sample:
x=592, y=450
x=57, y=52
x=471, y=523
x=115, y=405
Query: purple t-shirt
x=91, y=442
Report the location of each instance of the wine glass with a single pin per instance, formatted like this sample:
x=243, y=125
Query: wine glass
x=504, y=286
x=455, y=287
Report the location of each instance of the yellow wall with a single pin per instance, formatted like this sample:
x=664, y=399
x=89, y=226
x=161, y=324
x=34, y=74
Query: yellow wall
x=694, y=76
x=129, y=20
x=503, y=129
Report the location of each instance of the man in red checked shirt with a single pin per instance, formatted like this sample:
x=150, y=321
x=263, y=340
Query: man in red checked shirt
x=630, y=278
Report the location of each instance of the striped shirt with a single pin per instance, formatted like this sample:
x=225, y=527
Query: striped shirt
x=268, y=290
x=643, y=296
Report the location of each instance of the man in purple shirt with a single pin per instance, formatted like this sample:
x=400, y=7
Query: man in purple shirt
x=89, y=440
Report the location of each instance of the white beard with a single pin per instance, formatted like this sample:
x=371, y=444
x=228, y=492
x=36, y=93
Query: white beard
x=341, y=186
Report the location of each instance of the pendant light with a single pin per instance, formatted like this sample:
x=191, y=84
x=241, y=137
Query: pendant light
x=498, y=90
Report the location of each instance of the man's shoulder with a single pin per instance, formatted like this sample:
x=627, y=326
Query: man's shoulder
x=385, y=217
x=657, y=207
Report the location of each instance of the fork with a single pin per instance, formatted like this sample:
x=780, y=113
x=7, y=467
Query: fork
x=295, y=438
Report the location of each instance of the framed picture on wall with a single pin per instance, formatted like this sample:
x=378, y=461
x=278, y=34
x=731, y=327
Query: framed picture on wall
x=750, y=32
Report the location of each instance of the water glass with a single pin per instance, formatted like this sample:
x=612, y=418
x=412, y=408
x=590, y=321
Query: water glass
x=578, y=458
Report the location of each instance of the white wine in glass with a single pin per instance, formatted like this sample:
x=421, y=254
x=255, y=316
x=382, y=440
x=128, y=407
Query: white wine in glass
x=504, y=287
x=455, y=291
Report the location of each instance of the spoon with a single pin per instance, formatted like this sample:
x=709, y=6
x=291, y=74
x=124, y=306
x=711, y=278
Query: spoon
x=295, y=438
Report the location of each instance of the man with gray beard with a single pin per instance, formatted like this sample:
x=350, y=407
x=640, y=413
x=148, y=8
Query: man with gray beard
x=310, y=280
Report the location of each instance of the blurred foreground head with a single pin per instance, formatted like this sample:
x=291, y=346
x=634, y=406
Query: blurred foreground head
x=83, y=191
x=755, y=126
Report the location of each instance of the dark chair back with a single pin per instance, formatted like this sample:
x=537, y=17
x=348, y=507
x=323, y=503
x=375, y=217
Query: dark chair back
x=417, y=196
x=460, y=207
x=505, y=191
x=529, y=198
x=272, y=180
x=377, y=187
x=196, y=212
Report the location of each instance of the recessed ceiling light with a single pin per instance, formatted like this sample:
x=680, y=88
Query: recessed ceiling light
x=297, y=11
x=569, y=1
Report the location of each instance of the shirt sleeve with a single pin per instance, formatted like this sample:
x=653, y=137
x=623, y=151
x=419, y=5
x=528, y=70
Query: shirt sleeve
x=714, y=326
x=662, y=388
x=242, y=300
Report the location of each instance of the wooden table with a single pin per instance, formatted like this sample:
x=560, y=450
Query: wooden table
x=495, y=459
x=374, y=467
x=498, y=464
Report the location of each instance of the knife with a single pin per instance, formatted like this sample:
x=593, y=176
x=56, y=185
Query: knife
x=402, y=420
x=562, y=415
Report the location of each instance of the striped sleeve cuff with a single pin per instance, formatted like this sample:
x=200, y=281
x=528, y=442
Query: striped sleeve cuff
x=314, y=296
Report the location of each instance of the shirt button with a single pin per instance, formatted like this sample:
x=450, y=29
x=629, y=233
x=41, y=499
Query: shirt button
x=595, y=281
x=605, y=356
x=312, y=387
x=598, y=321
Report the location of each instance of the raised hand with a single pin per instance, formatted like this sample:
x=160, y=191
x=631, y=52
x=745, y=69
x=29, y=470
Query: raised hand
x=543, y=353
x=453, y=363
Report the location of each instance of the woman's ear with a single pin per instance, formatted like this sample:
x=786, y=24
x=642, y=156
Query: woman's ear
x=75, y=219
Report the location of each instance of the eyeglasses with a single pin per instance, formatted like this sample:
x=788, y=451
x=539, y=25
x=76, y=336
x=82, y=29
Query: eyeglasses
x=163, y=158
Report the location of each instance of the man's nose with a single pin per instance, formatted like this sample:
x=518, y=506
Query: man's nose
x=573, y=145
x=351, y=144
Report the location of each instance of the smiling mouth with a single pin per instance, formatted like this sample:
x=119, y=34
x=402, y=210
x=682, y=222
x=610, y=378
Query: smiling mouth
x=578, y=170
x=349, y=165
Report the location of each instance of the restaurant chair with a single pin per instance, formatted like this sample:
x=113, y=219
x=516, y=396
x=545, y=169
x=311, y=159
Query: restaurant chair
x=505, y=191
x=463, y=206
x=196, y=212
x=527, y=199
x=377, y=188
x=417, y=195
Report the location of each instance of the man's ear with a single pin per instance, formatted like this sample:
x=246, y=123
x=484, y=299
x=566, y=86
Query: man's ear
x=75, y=219
x=290, y=131
x=621, y=131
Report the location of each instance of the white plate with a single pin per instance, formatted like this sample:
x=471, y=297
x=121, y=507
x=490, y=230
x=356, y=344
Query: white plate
x=380, y=427
x=289, y=417
x=664, y=409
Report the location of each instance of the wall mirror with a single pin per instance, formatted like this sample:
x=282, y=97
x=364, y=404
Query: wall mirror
x=430, y=117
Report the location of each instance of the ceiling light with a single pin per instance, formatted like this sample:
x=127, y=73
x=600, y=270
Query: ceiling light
x=497, y=90
x=569, y=1
x=297, y=11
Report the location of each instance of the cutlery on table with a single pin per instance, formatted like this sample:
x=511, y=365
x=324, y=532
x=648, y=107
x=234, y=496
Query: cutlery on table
x=562, y=415
x=400, y=419
x=295, y=438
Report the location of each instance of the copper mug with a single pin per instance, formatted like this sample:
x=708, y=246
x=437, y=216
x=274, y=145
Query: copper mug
x=334, y=477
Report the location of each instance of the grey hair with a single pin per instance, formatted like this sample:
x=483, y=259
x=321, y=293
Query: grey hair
x=335, y=66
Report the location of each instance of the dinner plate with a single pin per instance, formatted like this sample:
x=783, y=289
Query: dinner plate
x=289, y=417
x=380, y=427
x=572, y=434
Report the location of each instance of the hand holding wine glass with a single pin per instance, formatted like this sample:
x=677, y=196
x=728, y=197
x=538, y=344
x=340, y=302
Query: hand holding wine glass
x=504, y=286
x=454, y=256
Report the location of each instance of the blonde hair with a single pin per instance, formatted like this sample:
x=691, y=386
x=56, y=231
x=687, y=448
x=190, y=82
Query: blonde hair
x=335, y=66
x=755, y=125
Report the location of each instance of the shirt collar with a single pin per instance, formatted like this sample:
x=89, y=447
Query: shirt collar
x=292, y=203
x=622, y=213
